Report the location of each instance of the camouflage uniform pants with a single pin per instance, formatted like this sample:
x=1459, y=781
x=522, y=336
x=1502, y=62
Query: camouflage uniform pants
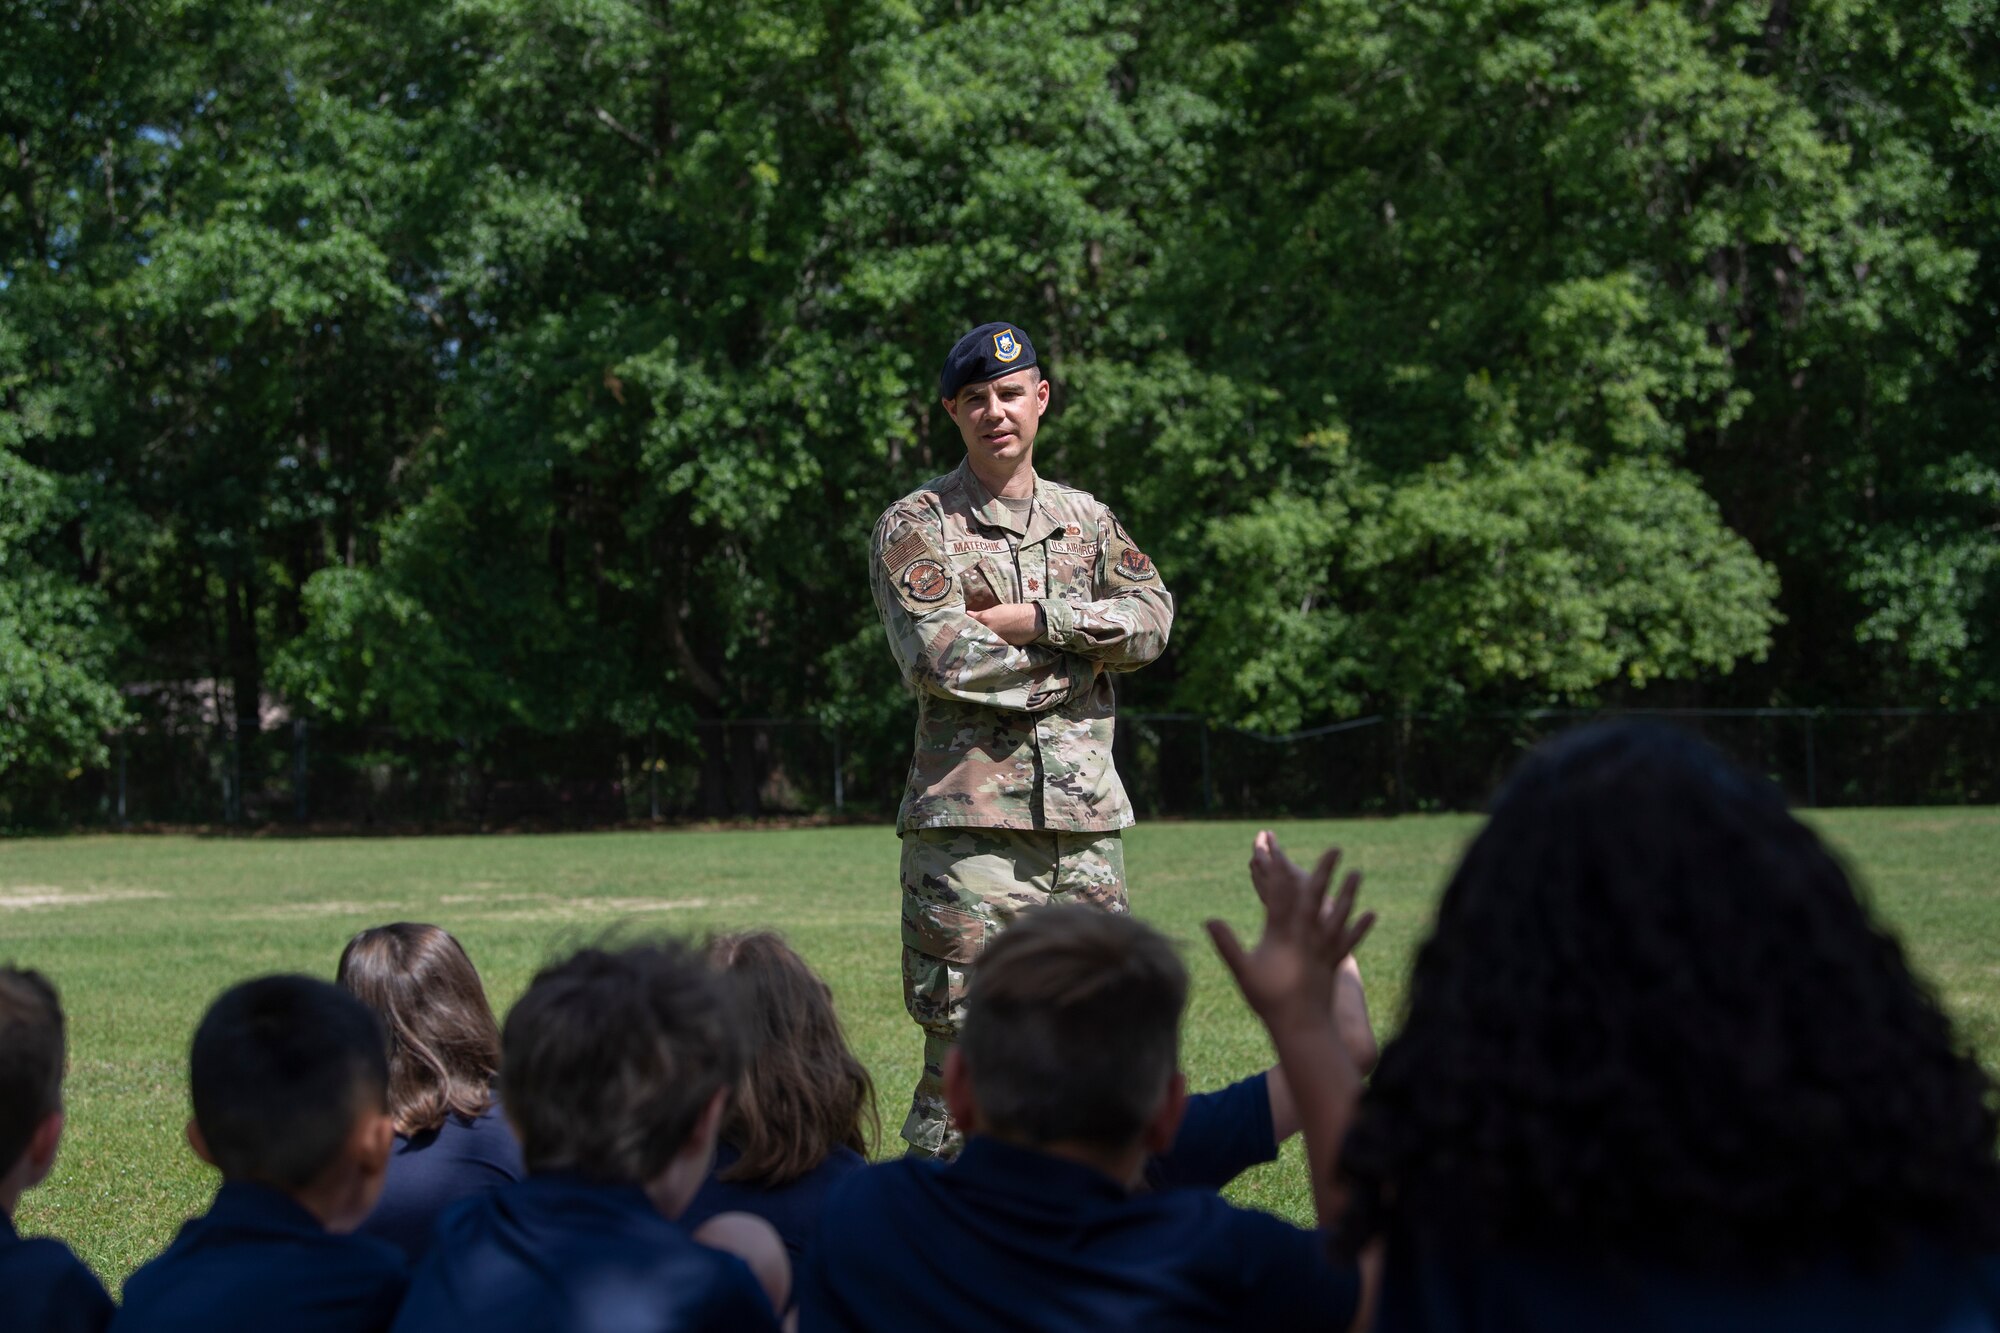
x=961, y=887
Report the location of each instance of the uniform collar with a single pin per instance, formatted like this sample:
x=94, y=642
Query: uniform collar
x=1009, y=1169
x=244, y=1203
x=573, y=1189
x=986, y=507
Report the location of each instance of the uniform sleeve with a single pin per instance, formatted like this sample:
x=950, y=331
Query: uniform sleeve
x=1223, y=1134
x=939, y=648
x=1127, y=626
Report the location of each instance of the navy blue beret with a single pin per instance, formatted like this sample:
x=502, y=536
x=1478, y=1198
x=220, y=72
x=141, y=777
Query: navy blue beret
x=986, y=353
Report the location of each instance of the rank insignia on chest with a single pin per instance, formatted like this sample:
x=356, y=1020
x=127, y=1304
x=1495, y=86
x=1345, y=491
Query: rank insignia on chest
x=1006, y=347
x=1133, y=564
x=926, y=581
x=1072, y=530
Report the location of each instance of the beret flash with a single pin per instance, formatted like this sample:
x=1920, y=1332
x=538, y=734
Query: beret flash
x=986, y=353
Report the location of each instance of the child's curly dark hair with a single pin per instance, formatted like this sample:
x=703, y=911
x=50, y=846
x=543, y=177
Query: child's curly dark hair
x=1654, y=1022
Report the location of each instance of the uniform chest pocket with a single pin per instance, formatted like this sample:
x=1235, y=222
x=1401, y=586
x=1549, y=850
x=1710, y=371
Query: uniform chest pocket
x=986, y=578
x=1073, y=570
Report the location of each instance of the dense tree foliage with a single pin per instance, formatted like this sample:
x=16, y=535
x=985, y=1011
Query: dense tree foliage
x=486, y=370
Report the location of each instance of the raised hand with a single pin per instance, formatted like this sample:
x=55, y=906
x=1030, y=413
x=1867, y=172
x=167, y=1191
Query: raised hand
x=1289, y=980
x=1289, y=976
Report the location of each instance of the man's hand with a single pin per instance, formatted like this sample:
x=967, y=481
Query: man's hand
x=1289, y=976
x=1017, y=622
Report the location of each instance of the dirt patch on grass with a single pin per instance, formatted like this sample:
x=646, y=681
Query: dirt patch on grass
x=294, y=911
x=573, y=909
x=25, y=897
x=461, y=899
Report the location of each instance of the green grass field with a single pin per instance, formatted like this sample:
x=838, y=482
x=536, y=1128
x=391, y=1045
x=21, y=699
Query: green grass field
x=141, y=932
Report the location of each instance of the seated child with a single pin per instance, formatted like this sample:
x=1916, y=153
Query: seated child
x=444, y=1053
x=804, y=1114
x=1066, y=1078
x=290, y=1084
x=43, y=1287
x=1661, y=1068
x=616, y=1069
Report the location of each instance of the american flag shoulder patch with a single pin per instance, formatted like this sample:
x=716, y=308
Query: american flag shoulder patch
x=911, y=545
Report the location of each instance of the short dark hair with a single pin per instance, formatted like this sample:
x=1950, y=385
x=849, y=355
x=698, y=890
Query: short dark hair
x=280, y=1068
x=444, y=1047
x=610, y=1057
x=1655, y=1022
x=1072, y=1027
x=31, y=1059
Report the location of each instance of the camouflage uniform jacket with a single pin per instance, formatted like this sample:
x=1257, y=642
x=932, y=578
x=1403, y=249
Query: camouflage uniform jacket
x=1014, y=737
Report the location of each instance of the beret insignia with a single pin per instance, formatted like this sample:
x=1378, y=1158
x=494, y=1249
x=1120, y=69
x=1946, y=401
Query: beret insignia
x=926, y=581
x=986, y=353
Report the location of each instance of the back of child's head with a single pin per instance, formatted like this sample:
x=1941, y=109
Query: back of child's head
x=281, y=1069
x=1072, y=1027
x=1654, y=1022
x=612, y=1055
x=805, y=1093
x=444, y=1047
x=31, y=1059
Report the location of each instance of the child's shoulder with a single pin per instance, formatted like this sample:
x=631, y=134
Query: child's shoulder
x=41, y=1271
x=858, y=1196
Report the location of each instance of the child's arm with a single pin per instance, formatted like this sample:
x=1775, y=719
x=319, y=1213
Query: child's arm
x=1290, y=981
x=1350, y=1015
x=756, y=1243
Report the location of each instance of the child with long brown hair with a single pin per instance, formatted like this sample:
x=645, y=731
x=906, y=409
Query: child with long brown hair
x=444, y=1053
x=804, y=1115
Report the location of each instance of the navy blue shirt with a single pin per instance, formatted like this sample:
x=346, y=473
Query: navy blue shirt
x=258, y=1260
x=1223, y=1134
x=46, y=1289
x=1008, y=1238
x=1929, y=1292
x=430, y=1172
x=555, y=1252
x=793, y=1208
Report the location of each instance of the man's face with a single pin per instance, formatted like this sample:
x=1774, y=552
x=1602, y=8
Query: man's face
x=998, y=419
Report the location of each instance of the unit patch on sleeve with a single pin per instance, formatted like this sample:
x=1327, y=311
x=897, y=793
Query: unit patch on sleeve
x=1133, y=565
x=925, y=581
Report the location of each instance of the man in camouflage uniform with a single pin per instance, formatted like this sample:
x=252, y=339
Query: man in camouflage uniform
x=1009, y=600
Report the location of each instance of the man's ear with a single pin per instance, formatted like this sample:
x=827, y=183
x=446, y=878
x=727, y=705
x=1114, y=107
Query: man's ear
x=197, y=1142
x=958, y=1095
x=1165, y=1126
x=1041, y=393
x=950, y=408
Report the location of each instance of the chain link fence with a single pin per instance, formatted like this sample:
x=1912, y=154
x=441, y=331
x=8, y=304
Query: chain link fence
x=187, y=767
